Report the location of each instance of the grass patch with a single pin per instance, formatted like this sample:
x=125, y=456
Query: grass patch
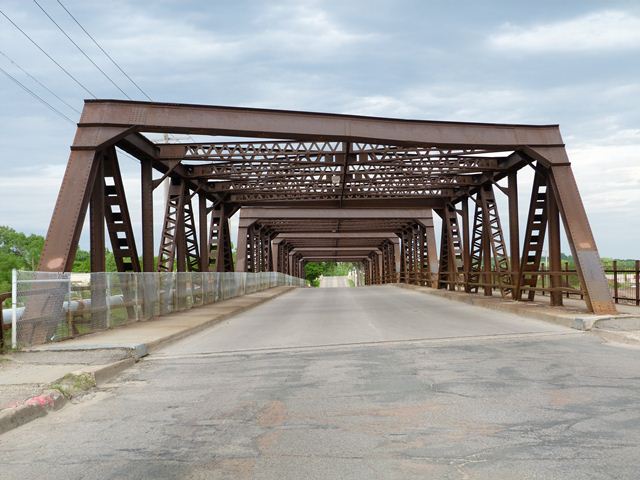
x=72, y=384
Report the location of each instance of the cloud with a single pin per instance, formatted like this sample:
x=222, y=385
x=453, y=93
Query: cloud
x=598, y=31
x=298, y=31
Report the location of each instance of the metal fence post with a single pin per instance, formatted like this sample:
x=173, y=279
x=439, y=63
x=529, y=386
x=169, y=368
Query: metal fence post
x=637, y=278
x=108, y=295
x=14, y=308
x=135, y=289
x=615, y=281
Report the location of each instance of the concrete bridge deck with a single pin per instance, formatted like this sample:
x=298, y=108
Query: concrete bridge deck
x=375, y=382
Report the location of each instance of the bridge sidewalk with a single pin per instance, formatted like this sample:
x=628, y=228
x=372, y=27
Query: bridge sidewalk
x=621, y=328
x=44, y=378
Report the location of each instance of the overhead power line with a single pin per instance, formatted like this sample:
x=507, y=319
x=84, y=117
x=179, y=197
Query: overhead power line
x=13, y=62
x=104, y=51
x=47, y=104
x=48, y=56
x=36, y=96
x=81, y=50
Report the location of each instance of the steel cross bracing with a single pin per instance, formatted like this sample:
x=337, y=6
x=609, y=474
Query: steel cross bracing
x=331, y=163
x=496, y=239
x=172, y=229
x=117, y=216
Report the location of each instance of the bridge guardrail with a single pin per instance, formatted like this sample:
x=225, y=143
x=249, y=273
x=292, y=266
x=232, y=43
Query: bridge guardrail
x=55, y=306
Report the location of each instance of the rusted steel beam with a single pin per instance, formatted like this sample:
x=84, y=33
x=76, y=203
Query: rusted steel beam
x=555, y=262
x=344, y=213
x=335, y=235
x=146, y=191
x=514, y=226
x=119, y=225
x=171, y=229
x=580, y=237
x=216, y=120
x=96, y=220
x=70, y=209
x=369, y=249
x=203, y=233
x=536, y=230
x=329, y=203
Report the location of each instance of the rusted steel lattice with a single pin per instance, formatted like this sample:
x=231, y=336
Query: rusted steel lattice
x=313, y=186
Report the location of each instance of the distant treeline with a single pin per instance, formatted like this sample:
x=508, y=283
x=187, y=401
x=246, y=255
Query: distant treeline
x=313, y=270
x=22, y=252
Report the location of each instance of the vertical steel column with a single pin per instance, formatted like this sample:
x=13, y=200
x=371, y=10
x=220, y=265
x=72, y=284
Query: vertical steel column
x=192, y=250
x=242, y=252
x=170, y=233
x=496, y=240
x=119, y=225
x=203, y=232
x=181, y=242
x=97, y=243
x=275, y=254
x=432, y=253
x=514, y=229
x=422, y=265
x=146, y=183
x=96, y=219
x=555, y=260
x=413, y=274
x=486, y=254
x=466, y=245
x=226, y=253
x=251, y=248
x=534, y=236
x=477, y=248
x=451, y=261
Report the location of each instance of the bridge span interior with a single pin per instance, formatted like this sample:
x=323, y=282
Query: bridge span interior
x=316, y=186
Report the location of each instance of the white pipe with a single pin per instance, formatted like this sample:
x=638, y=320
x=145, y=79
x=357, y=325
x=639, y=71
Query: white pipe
x=16, y=313
x=14, y=309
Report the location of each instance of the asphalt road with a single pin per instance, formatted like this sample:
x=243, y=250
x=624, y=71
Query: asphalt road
x=357, y=383
x=333, y=282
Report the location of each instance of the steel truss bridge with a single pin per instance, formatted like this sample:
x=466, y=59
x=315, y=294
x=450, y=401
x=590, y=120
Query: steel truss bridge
x=317, y=186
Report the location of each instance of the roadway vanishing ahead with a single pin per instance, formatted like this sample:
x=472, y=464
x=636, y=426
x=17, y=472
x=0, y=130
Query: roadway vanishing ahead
x=334, y=282
x=353, y=383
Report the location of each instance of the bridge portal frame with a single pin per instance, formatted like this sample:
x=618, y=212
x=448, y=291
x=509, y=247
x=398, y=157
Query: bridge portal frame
x=106, y=124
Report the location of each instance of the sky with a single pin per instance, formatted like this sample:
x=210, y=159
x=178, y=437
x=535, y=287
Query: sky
x=574, y=63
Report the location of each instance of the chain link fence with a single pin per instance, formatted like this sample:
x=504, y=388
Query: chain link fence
x=47, y=307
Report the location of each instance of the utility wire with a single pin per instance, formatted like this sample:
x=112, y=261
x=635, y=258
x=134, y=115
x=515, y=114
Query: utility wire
x=36, y=96
x=48, y=105
x=81, y=50
x=104, y=51
x=38, y=81
x=48, y=56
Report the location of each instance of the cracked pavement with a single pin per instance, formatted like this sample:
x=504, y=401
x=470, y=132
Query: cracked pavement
x=353, y=383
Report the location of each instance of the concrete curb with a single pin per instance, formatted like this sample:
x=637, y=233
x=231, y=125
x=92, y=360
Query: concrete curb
x=31, y=409
x=51, y=400
x=611, y=336
x=203, y=326
x=576, y=320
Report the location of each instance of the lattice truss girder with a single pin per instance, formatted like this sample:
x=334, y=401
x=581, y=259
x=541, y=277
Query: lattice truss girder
x=325, y=169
